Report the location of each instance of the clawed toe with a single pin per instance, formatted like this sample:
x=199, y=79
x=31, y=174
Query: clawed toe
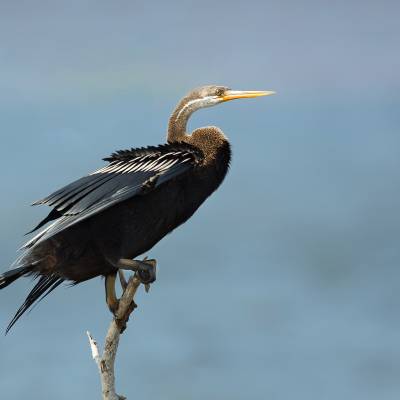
x=146, y=269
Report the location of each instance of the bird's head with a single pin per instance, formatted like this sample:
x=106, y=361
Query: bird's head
x=205, y=96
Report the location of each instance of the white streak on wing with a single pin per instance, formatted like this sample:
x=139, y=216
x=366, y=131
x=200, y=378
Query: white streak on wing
x=136, y=159
x=131, y=168
x=168, y=165
x=135, y=167
x=121, y=191
x=110, y=166
x=98, y=171
x=104, y=169
x=113, y=167
x=151, y=166
x=124, y=169
x=144, y=165
x=161, y=164
x=120, y=169
x=40, y=234
x=165, y=155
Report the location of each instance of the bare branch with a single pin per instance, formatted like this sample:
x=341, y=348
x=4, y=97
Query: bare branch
x=106, y=362
x=94, y=348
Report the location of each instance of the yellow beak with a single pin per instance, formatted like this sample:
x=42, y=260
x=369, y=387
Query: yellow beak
x=244, y=94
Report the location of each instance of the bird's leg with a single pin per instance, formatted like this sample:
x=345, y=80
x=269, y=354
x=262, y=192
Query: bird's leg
x=113, y=301
x=111, y=297
x=122, y=279
x=146, y=269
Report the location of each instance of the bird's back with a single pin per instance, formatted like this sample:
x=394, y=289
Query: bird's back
x=93, y=246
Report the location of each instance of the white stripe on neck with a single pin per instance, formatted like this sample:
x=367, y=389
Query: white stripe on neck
x=194, y=105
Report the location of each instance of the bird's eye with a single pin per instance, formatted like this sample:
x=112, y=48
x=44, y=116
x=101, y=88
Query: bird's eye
x=219, y=91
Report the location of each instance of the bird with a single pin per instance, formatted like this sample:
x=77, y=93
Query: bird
x=100, y=223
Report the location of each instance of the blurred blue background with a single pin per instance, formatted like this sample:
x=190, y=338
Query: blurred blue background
x=285, y=284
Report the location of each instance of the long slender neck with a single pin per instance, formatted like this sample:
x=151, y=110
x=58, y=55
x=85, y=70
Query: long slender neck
x=179, y=118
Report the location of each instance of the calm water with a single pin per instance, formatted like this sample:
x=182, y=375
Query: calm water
x=286, y=282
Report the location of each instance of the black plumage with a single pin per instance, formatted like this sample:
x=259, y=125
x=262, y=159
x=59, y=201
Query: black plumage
x=130, y=173
x=122, y=210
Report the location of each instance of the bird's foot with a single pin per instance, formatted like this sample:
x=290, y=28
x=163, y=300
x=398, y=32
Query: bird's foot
x=111, y=297
x=122, y=321
x=146, y=269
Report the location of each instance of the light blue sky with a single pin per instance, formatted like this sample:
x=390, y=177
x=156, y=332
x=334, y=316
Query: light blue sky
x=286, y=282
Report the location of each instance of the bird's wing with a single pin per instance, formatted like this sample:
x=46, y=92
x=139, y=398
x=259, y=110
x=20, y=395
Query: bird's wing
x=129, y=173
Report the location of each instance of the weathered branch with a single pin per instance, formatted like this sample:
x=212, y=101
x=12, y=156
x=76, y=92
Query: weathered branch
x=105, y=363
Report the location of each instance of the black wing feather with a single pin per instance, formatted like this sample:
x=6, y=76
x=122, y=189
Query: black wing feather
x=123, y=194
x=45, y=285
x=129, y=173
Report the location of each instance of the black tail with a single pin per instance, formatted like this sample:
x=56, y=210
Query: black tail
x=45, y=285
x=12, y=275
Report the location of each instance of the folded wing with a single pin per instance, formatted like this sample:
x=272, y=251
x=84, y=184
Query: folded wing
x=128, y=174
